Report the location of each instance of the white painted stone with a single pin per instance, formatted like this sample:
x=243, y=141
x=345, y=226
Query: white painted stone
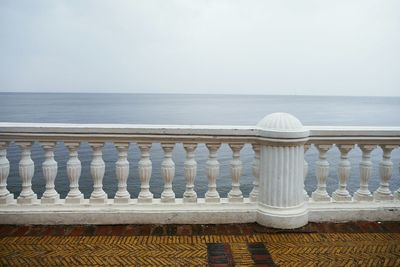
x=235, y=195
x=122, y=173
x=145, y=168
x=321, y=172
x=363, y=193
x=26, y=171
x=342, y=194
x=383, y=193
x=74, y=172
x=49, y=167
x=190, y=168
x=5, y=196
x=256, y=173
x=168, y=173
x=305, y=172
x=212, y=166
x=281, y=199
x=97, y=169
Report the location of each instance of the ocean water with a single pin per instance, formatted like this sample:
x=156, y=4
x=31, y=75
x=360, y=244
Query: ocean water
x=190, y=109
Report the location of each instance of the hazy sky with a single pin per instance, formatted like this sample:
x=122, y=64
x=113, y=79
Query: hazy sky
x=341, y=47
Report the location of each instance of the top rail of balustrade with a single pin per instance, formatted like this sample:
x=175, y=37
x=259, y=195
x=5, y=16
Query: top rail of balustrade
x=10, y=131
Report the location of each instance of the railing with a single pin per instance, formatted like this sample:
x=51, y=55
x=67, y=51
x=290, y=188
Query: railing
x=278, y=198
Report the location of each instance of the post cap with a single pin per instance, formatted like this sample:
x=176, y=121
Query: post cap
x=282, y=125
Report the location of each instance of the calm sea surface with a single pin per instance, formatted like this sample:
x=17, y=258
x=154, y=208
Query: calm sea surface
x=190, y=109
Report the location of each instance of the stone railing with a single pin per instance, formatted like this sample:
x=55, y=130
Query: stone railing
x=278, y=198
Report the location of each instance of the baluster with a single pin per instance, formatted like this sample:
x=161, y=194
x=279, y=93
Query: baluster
x=5, y=196
x=190, y=167
x=49, y=167
x=397, y=193
x=74, y=172
x=212, y=165
x=168, y=173
x=256, y=173
x=235, y=195
x=322, y=172
x=145, y=168
x=26, y=171
x=363, y=193
x=385, y=173
x=97, y=169
x=122, y=173
x=305, y=172
x=342, y=194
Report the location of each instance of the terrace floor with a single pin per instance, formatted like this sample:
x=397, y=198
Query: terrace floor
x=326, y=244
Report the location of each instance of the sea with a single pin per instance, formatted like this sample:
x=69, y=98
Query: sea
x=193, y=109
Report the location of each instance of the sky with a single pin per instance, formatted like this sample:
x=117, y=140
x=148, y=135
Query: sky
x=284, y=47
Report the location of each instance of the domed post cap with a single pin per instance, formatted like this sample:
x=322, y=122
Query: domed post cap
x=281, y=125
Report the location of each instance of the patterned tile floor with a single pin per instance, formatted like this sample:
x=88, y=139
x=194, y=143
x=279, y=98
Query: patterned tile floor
x=328, y=244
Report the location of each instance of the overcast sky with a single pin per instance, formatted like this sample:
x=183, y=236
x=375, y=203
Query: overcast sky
x=341, y=47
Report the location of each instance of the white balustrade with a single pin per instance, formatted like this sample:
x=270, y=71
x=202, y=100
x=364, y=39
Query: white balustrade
x=49, y=167
x=74, y=169
x=277, y=199
x=145, y=168
x=342, y=194
x=122, y=173
x=190, y=168
x=26, y=171
x=363, y=193
x=5, y=196
x=97, y=169
x=212, y=165
x=256, y=173
x=385, y=173
x=322, y=172
x=168, y=173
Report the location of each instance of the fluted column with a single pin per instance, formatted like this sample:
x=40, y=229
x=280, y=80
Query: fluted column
x=322, y=172
x=168, y=173
x=342, y=194
x=145, y=168
x=97, y=169
x=5, y=196
x=26, y=171
x=122, y=173
x=383, y=193
x=235, y=195
x=305, y=172
x=256, y=173
x=74, y=172
x=190, y=168
x=363, y=193
x=212, y=166
x=49, y=167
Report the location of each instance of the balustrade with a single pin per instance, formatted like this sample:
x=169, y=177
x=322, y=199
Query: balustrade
x=279, y=169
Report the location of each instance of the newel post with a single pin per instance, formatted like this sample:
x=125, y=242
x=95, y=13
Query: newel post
x=281, y=201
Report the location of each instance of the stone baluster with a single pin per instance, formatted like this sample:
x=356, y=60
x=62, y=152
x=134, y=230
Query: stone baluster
x=49, y=167
x=397, y=193
x=235, y=195
x=212, y=166
x=145, y=168
x=342, y=194
x=26, y=171
x=190, y=168
x=74, y=172
x=305, y=172
x=97, y=169
x=256, y=173
x=322, y=172
x=5, y=196
x=122, y=173
x=383, y=193
x=168, y=173
x=363, y=193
